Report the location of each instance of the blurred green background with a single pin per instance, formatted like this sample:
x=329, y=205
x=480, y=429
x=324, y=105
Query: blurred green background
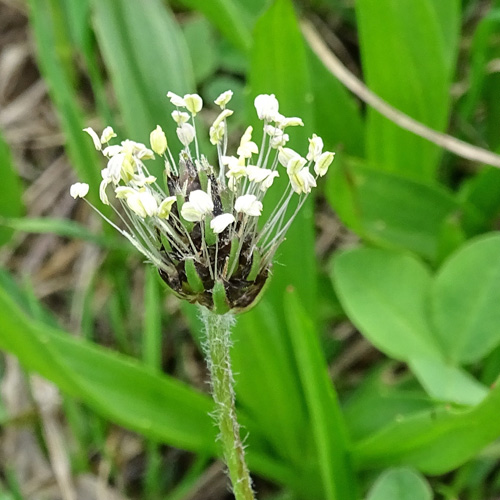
x=369, y=368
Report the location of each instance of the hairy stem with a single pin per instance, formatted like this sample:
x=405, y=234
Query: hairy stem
x=217, y=351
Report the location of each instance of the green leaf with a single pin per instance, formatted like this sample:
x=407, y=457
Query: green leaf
x=400, y=484
x=117, y=387
x=11, y=204
x=388, y=209
x=201, y=43
x=407, y=62
x=337, y=117
x=146, y=56
x=385, y=296
x=381, y=398
x=327, y=423
x=481, y=191
x=435, y=441
x=465, y=298
x=279, y=66
x=152, y=335
x=265, y=360
x=480, y=56
x=447, y=383
x=228, y=17
x=63, y=227
x=55, y=60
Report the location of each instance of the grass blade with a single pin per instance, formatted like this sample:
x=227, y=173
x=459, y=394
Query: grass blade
x=327, y=423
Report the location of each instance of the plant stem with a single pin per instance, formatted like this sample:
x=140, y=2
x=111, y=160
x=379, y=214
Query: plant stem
x=217, y=350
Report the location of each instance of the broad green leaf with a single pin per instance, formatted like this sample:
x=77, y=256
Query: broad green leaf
x=406, y=62
x=201, y=43
x=146, y=56
x=337, y=117
x=435, y=441
x=448, y=15
x=388, y=209
x=385, y=295
x=381, y=398
x=464, y=301
x=447, y=383
x=123, y=390
x=262, y=358
x=116, y=386
x=228, y=17
x=327, y=424
x=400, y=484
x=279, y=66
x=56, y=64
x=11, y=204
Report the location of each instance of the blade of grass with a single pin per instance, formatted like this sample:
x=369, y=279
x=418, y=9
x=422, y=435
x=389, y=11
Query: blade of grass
x=327, y=424
x=152, y=356
x=47, y=23
x=114, y=385
x=228, y=17
x=10, y=201
x=63, y=227
x=407, y=63
x=143, y=68
x=279, y=66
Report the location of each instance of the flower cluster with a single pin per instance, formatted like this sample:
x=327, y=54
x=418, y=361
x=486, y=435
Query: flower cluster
x=201, y=228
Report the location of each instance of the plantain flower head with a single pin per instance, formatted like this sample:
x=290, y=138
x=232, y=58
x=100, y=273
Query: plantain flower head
x=202, y=227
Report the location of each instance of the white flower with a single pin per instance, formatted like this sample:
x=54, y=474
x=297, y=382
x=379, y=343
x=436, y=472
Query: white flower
x=102, y=190
x=112, y=150
x=137, y=149
x=219, y=223
x=248, y=204
x=216, y=133
x=257, y=174
x=95, y=137
x=224, y=98
x=217, y=130
x=107, y=134
x=323, y=162
x=285, y=155
x=79, y=190
x=180, y=117
x=186, y=133
x=166, y=206
x=262, y=176
x=302, y=181
x=236, y=170
x=113, y=171
x=295, y=164
x=268, y=181
x=315, y=148
x=225, y=113
x=158, y=140
x=278, y=141
x=247, y=147
x=284, y=122
x=199, y=205
x=194, y=103
x=176, y=100
x=123, y=192
x=267, y=107
x=143, y=203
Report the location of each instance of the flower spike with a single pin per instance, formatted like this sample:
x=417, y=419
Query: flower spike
x=203, y=227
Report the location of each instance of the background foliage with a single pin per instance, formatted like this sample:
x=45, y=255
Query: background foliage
x=369, y=368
